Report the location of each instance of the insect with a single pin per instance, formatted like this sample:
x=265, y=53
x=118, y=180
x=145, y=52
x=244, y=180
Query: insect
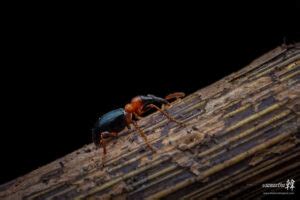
x=111, y=123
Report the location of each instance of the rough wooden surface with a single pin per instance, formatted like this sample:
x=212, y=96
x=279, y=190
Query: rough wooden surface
x=242, y=131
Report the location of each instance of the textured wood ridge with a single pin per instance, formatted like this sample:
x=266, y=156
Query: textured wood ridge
x=242, y=131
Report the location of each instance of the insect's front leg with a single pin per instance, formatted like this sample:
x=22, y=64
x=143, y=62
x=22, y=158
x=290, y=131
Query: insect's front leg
x=166, y=114
x=175, y=95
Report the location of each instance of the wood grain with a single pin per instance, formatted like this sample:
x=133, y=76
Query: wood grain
x=241, y=132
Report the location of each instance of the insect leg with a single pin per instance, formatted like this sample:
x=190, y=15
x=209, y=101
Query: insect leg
x=137, y=116
x=176, y=95
x=104, y=135
x=166, y=114
x=143, y=135
x=103, y=142
x=114, y=134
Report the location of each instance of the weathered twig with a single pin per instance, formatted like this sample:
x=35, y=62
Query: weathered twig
x=240, y=132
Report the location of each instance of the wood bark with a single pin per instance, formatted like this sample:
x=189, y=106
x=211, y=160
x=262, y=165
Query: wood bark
x=242, y=132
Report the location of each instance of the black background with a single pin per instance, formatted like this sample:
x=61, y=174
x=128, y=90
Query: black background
x=62, y=73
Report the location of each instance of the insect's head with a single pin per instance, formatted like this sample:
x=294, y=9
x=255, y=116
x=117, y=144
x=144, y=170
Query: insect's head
x=134, y=105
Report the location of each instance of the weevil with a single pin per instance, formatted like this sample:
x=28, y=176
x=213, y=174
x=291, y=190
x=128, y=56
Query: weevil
x=113, y=122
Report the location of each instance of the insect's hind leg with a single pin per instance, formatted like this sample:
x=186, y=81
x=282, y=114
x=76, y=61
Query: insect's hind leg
x=103, y=137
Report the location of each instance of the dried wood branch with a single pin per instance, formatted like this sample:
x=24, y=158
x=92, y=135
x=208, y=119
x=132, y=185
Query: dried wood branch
x=242, y=131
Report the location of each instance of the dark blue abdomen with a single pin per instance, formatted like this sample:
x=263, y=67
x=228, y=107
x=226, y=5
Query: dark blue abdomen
x=113, y=121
